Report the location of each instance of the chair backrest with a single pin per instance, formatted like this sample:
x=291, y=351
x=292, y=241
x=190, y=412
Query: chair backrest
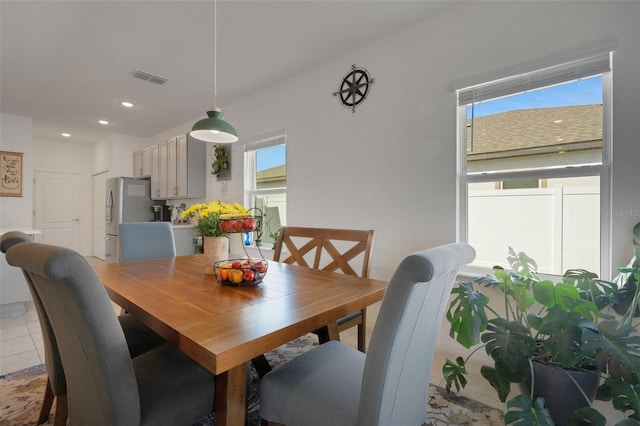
x=101, y=384
x=322, y=248
x=53, y=362
x=398, y=363
x=146, y=240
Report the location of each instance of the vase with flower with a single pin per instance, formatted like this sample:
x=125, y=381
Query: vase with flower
x=206, y=218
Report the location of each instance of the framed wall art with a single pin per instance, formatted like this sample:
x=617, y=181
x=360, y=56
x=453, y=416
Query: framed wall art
x=10, y=174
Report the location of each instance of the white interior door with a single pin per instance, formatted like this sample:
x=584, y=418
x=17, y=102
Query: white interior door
x=98, y=214
x=57, y=208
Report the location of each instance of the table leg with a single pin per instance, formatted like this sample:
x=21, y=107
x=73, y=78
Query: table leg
x=230, y=405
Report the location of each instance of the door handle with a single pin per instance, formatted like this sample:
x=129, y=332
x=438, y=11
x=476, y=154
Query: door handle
x=76, y=220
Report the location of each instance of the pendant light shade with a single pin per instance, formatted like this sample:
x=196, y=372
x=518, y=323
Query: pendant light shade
x=214, y=128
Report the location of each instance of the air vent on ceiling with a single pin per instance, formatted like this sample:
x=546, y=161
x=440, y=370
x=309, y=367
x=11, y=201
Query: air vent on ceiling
x=143, y=75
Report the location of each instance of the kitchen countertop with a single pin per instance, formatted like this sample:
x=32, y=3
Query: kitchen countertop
x=26, y=230
x=182, y=225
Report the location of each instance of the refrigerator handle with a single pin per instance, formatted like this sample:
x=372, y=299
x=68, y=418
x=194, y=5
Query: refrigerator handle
x=109, y=208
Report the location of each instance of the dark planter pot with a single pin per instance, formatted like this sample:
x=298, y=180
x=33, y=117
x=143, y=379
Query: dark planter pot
x=560, y=393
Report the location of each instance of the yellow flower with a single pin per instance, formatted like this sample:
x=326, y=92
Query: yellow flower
x=207, y=216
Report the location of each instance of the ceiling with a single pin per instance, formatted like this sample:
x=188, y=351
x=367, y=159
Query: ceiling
x=68, y=64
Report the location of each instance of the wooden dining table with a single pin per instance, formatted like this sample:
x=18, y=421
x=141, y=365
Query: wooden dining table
x=223, y=327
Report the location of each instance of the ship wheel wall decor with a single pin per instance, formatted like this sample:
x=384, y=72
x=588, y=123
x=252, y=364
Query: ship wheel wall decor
x=354, y=87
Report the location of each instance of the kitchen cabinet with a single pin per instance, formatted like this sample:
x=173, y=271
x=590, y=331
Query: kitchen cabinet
x=178, y=169
x=186, y=167
x=142, y=163
x=159, y=171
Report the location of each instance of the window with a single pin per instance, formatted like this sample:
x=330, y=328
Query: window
x=534, y=167
x=266, y=182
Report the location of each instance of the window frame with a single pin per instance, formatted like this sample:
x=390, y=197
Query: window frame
x=250, y=191
x=604, y=170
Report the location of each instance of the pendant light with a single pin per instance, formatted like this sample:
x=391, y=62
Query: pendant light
x=214, y=128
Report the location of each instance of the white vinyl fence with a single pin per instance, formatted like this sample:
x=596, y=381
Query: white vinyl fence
x=559, y=227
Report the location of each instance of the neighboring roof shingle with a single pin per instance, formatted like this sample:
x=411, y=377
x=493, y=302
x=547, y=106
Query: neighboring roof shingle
x=534, y=131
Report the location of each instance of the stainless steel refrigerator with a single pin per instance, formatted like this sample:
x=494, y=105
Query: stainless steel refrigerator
x=127, y=200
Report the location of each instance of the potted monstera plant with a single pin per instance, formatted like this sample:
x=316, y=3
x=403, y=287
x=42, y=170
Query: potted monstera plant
x=579, y=329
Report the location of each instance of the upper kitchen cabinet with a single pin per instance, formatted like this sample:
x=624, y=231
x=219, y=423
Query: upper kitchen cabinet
x=142, y=163
x=178, y=169
x=186, y=170
x=159, y=171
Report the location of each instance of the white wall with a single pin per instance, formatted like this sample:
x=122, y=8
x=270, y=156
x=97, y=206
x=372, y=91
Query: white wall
x=391, y=166
x=15, y=212
x=122, y=149
x=16, y=136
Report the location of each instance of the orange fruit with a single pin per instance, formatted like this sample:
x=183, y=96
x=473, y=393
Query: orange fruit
x=223, y=274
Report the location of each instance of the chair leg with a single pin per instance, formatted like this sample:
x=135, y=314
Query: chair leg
x=62, y=410
x=46, y=404
x=261, y=365
x=334, y=334
x=362, y=333
x=328, y=332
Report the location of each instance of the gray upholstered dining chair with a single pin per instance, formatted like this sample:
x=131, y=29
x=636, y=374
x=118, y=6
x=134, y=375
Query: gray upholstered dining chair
x=105, y=386
x=139, y=340
x=334, y=384
x=146, y=240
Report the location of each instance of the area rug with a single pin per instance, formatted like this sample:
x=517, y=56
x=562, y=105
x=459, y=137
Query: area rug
x=21, y=394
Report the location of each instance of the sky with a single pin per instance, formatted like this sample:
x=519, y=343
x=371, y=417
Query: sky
x=271, y=157
x=582, y=92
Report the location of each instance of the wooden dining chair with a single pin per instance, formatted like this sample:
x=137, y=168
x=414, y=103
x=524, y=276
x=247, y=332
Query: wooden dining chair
x=334, y=384
x=105, y=385
x=342, y=250
x=146, y=240
x=139, y=339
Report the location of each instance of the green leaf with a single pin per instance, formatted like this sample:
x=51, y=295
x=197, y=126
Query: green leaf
x=615, y=350
x=625, y=396
x=628, y=422
x=588, y=416
x=510, y=343
x=467, y=314
x=591, y=288
x=454, y=373
x=628, y=282
x=523, y=412
x=510, y=346
x=497, y=381
x=521, y=263
x=564, y=336
x=565, y=297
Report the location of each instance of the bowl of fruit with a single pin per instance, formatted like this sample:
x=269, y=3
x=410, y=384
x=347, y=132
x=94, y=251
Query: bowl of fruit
x=237, y=223
x=240, y=272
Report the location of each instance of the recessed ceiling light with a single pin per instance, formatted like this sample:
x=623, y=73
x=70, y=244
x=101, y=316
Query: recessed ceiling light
x=557, y=121
x=103, y=122
x=66, y=135
x=126, y=104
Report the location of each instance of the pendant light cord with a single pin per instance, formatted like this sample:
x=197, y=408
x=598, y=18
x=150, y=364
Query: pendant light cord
x=215, y=53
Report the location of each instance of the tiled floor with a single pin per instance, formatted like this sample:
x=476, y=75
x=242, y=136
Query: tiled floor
x=21, y=343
